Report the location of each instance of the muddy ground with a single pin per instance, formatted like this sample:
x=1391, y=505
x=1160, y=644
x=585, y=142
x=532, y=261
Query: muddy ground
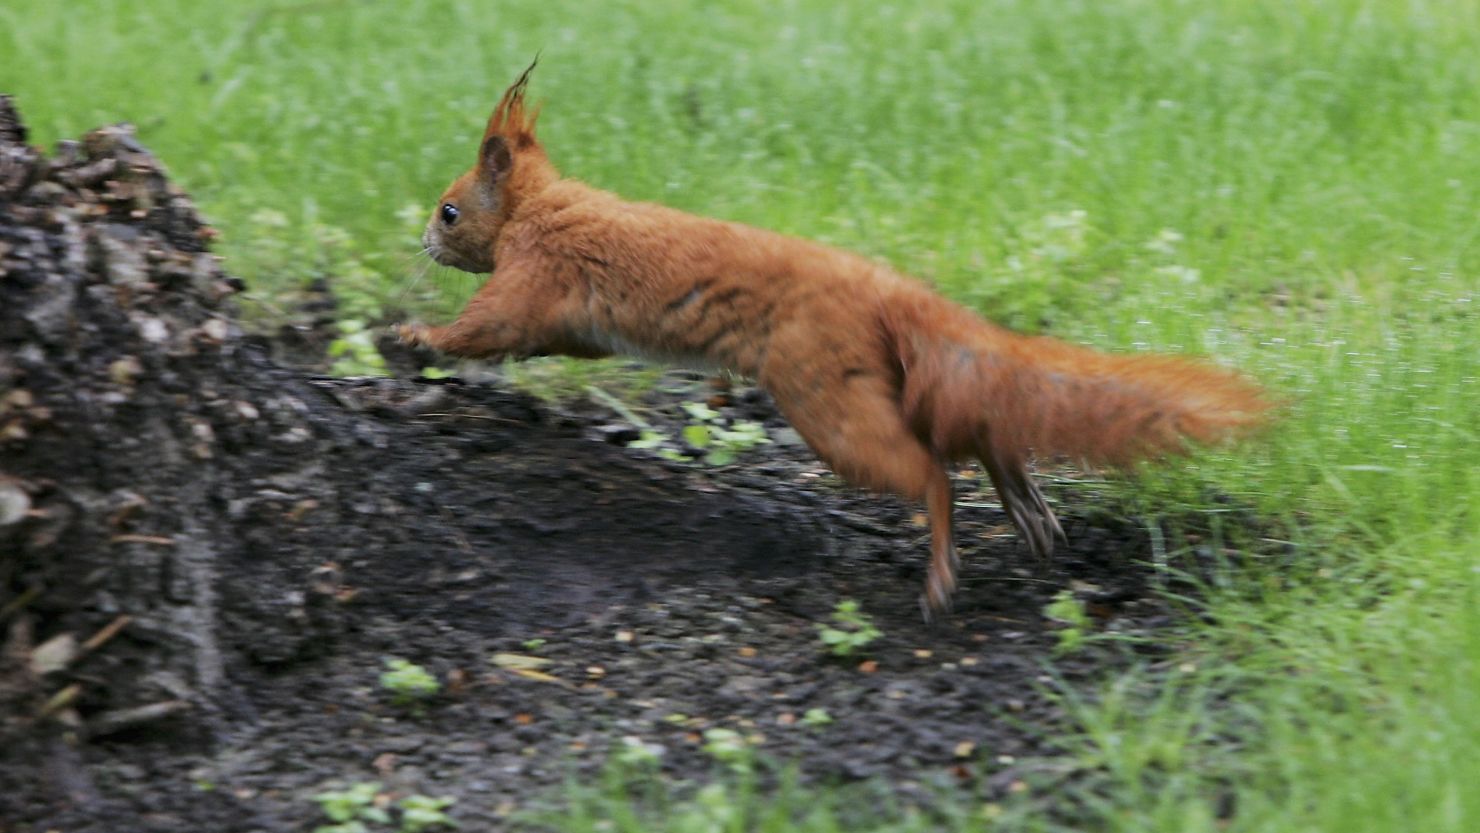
x=208, y=556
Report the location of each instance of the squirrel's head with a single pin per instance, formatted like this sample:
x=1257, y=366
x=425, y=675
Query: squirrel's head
x=511, y=166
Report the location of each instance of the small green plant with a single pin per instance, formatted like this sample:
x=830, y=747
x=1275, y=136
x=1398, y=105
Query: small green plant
x=852, y=629
x=1070, y=612
x=708, y=432
x=408, y=682
x=730, y=748
x=534, y=644
x=816, y=718
x=656, y=440
x=422, y=812
x=350, y=808
x=354, y=352
x=720, y=442
x=713, y=807
x=636, y=753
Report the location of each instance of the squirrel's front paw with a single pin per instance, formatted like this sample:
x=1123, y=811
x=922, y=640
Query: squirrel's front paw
x=412, y=335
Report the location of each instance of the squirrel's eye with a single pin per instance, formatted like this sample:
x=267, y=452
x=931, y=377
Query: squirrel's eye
x=449, y=213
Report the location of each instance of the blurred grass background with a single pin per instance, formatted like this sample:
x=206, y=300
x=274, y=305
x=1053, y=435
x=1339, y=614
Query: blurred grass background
x=1289, y=187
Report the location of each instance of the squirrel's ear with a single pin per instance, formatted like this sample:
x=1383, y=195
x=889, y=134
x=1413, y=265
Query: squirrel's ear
x=494, y=159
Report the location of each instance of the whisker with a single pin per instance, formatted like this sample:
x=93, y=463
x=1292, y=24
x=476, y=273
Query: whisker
x=426, y=264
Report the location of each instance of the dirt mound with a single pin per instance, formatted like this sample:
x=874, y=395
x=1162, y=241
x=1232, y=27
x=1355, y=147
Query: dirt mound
x=208, y=556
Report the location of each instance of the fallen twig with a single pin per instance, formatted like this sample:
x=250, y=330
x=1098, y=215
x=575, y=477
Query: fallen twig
x=107, y=632
x=118, y=720
x=14, y=605
x=59, y=701
x=132, y=538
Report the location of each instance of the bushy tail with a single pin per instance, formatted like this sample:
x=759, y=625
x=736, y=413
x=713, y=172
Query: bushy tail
x=1059, y=399
x=972, y=389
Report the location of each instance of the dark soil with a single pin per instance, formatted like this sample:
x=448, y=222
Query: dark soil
x=207, y=557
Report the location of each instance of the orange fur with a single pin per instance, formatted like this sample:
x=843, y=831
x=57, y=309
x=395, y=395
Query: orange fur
x=885, y=379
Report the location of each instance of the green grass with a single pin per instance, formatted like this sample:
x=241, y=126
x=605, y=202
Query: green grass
x=1287, y=186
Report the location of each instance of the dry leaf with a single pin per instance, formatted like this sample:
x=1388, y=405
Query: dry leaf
x=54, y=654
x=518, y=661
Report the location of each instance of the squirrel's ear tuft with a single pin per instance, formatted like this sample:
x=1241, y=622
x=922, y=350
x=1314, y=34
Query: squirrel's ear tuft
x=494, y=160
x=511, y=119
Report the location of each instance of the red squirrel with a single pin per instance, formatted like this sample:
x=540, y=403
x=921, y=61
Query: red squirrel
x=886, y=380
